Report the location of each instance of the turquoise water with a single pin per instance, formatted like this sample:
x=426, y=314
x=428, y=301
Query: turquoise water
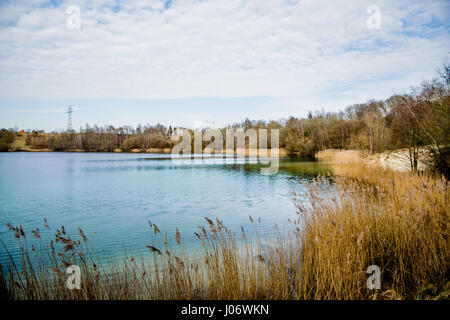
x=112, y=196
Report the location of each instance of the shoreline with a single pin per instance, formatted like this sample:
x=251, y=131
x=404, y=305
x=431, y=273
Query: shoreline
x=261, y=153
x=396, y=160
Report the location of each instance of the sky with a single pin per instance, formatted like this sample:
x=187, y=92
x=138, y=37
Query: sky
x=181, y=62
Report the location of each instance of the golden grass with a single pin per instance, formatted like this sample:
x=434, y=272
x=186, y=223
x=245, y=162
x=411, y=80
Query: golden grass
x=363, y=216
x=398, y=221
x=335, y=156
x=19, y=143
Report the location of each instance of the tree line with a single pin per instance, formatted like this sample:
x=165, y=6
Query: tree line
x=417, y=119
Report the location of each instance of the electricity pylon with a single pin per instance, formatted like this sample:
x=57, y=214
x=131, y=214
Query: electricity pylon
x=69, y=118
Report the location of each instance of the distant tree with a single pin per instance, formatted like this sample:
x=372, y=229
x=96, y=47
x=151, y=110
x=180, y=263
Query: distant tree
x=6, y=139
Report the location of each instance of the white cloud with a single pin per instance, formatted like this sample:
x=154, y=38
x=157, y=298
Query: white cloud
x=225, y=48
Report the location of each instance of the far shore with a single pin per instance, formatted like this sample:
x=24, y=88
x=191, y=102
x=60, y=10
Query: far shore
x=260, y=152
x=396, y=160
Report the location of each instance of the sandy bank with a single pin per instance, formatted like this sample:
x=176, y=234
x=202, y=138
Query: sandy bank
x=398, y=160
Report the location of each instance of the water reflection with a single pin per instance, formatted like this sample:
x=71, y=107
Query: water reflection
x=112, y=196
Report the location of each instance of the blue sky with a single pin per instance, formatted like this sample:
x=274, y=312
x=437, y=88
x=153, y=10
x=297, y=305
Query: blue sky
x=177, y=62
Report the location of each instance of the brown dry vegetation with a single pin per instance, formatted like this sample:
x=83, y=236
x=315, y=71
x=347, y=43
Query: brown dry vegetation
x=364, y=216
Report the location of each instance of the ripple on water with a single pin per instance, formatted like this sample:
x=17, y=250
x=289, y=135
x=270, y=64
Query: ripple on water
x=112, y=196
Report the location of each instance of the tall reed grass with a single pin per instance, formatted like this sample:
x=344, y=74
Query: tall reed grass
x=364, y=216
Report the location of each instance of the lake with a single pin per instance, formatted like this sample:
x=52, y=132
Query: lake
x=112, y=196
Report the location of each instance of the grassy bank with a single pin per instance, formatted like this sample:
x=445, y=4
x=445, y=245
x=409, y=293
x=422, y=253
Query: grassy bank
x=397, y=221
x=364, y=216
